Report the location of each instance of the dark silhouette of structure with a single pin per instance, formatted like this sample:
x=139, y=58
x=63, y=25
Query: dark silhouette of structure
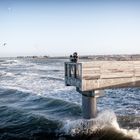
x=74, y=57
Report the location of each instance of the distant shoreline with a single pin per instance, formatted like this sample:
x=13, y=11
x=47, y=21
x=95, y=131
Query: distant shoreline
x=123, y=57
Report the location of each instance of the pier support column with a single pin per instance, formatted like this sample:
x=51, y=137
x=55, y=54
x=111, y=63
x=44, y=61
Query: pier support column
x=89, y=103
x=89, y=107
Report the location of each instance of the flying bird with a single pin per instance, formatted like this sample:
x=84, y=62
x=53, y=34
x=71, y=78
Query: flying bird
x=4, y=44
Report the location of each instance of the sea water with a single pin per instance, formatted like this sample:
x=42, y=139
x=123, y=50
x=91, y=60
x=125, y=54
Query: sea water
x=36, y=104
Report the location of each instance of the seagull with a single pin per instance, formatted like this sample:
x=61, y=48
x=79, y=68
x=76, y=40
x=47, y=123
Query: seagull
x=4, y=44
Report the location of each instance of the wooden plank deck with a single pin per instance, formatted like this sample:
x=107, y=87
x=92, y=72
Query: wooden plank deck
x=97, y=75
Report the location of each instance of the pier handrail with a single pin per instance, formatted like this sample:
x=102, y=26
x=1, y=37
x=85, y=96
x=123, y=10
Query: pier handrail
x=73, y=70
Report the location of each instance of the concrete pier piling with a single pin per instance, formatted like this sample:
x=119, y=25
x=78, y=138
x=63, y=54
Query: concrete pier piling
x=89, y=103
x=89, y=107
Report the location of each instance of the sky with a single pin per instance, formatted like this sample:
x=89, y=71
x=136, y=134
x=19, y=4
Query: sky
x=61, y=27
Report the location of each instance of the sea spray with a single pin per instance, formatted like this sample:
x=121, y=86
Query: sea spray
x=103, y=120
x=133, y=133
x=103, y=125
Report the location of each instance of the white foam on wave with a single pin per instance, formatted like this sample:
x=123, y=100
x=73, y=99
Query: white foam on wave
x=134, y=133
x=9, y=62
x=15, y=88
x=9, y=74
x=3, y=73
x=105, y=119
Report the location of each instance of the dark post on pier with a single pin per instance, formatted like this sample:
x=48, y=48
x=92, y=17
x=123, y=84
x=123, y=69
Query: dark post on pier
x=91, y=78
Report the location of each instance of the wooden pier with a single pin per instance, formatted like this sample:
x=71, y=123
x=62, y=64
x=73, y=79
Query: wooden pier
x=90, y=78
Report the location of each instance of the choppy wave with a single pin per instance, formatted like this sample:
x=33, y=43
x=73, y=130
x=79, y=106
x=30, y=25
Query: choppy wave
x=35, y=104
x=24, y=115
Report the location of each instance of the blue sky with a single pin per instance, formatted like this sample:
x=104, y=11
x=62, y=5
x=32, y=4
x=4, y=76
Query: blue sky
x=60, y=27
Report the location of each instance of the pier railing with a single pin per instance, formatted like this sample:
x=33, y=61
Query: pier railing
x=73, y=73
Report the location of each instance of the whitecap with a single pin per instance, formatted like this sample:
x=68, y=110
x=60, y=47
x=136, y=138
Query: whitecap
x=105, y=120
